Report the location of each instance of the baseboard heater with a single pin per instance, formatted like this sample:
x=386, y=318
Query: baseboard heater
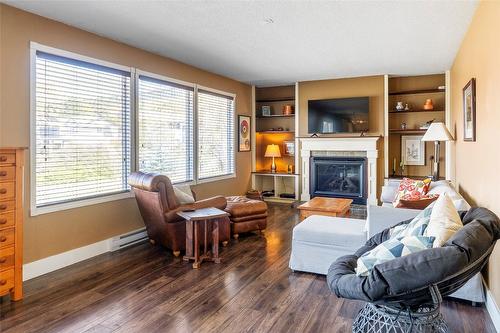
x=129, y=239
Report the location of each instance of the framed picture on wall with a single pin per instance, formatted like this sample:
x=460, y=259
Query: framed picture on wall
x=469, y=105
x=412, y=150
x=244, y=143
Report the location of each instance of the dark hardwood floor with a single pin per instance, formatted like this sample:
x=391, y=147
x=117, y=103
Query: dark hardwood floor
x=146, y=289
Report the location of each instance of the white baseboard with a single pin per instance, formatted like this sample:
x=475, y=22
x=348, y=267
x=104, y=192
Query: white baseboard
x=493, y=309
x=61, y=260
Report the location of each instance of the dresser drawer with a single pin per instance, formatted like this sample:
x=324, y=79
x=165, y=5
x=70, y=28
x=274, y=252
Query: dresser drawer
x=7, y=158
x=6, y=258
x=7, y=237
x=7, y=219
x=7, y=190
x=6, y=281
x=7, y=173
x=7, y=206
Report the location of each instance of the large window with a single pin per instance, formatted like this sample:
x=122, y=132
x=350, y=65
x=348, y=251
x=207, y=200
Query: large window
x=215, y=134
x=82, y=130
x=94, y=122
x=165, y=117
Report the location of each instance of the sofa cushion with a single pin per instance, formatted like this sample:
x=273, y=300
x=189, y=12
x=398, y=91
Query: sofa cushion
x=345, y=232
x=416, y=227
x=391, y=249
x=411, y=189
x=444, y=220
x=239, y=206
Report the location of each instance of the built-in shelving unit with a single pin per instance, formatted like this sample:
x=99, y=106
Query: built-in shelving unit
x=414, y=91
x=276, y=128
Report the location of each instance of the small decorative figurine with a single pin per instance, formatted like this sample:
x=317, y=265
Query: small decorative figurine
x=403, y=126
x=428, y=104
x=407, y=107
x=399, y=106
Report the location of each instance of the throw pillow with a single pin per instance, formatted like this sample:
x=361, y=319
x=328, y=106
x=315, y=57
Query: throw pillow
x=416, y=227
x=183, y=194
x=411, y=189
x=391, y=249
x=420, y=204
x=444, y=221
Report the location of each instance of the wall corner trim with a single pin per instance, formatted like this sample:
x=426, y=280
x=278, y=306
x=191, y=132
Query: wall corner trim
x=492, y=308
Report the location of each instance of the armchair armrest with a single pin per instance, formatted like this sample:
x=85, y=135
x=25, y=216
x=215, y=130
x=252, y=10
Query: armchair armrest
x=380, y=218
x=219, y=202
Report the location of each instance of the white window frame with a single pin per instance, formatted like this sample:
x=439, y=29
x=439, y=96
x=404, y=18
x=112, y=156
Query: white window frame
x=34, y=210
x=235, y=139
x=140, y=72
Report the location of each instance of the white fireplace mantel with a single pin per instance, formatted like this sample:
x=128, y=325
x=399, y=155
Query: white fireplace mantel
x=352, y=144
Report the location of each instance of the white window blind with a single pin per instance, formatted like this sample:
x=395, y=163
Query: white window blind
x=82, y=128
x=165, y=116
x=215, y=134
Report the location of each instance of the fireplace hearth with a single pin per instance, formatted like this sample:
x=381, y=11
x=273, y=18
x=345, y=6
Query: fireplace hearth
x=339, y=177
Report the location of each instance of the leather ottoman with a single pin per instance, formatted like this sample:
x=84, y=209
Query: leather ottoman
x=246, y=214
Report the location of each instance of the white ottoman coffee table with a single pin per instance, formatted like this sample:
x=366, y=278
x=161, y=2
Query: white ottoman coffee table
x=319, y=240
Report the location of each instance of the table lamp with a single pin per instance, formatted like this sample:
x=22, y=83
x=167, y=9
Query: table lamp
x=272, y=151
x=437, y=132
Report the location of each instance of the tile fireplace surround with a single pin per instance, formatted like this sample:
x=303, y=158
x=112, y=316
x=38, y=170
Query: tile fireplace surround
x=352, y=146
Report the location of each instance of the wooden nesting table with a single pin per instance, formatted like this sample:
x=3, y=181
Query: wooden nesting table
x=325, y=206
x=208, y=219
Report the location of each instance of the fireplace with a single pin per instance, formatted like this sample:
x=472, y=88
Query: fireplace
x=339, y=177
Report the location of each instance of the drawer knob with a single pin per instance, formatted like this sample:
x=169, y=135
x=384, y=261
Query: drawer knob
x=3, y=221
x=3, y=207
x=3, y=282
x=3, y=173
x=3, y=239
x=3, y=260
x=3, y=158
x=3, y=190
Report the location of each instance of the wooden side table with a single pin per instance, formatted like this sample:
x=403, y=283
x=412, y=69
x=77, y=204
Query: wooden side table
x=209, y=219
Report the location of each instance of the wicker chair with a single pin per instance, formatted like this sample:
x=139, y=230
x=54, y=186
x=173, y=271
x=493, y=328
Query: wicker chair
x=404, y=294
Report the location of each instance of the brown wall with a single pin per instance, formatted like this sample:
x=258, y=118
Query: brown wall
x=477, y=162
x=371, y=86
x=49, y=234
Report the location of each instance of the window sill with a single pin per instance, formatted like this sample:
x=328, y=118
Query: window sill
x=80, y=203
x=215, y=179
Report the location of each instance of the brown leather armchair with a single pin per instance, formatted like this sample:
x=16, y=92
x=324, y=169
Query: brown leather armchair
x=159, y=206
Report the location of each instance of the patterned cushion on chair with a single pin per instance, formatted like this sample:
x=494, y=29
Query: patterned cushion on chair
x=416, y=227
x=391, y=249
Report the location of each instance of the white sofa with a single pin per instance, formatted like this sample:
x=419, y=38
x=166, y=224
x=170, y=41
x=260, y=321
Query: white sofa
x=320, y=240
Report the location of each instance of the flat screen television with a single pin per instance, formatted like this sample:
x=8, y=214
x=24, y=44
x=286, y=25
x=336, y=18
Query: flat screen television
x=341, y=115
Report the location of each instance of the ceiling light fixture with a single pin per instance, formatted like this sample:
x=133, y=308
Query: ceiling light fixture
x=268, y=20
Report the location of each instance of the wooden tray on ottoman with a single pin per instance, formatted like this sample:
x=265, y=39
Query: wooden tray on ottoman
x=325, y=206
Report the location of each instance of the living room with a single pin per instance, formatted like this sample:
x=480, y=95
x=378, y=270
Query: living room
x=249, y=166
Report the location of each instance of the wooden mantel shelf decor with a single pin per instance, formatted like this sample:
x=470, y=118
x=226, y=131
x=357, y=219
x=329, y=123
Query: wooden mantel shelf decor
x=11, y=222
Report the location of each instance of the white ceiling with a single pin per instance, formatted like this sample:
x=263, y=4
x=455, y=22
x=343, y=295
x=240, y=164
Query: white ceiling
x=308, y=40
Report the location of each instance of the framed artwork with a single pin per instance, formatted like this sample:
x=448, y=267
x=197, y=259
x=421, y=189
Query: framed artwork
x=412, y=150
x=266, y=110
x=469, y=105
x=289, y=148
x=244, y=143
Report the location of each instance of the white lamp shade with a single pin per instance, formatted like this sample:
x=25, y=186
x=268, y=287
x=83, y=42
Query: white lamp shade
x=272, y=151
x=437, y=132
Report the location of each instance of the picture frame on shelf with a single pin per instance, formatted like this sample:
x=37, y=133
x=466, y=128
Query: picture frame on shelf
x=469, y=110
x=266, y=110
x=412, y=150
x=244, y=135
x=289, y=148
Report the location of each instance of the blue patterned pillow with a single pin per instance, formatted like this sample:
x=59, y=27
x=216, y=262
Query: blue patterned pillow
x=416, y=227
x=391, y=249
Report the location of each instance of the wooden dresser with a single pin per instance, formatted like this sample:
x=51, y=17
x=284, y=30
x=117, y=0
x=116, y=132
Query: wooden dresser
x=11, y=222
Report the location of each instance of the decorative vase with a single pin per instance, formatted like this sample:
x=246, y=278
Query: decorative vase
x=287, y=110
x=407, y=107
x=403, y=126
x=400, y=106
x=428, y=104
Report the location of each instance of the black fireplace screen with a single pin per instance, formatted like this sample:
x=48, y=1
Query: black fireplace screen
x=339, y=177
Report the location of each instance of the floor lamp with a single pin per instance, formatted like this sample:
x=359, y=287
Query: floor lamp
x=437, y=132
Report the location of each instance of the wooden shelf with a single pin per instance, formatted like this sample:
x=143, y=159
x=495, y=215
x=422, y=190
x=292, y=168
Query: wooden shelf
x=412, y=177
x=407, y=131
x=275, y=132
x=270, y=100
x=277, y=116
x=413, y=111
x=278, y=173
x=420, y=91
